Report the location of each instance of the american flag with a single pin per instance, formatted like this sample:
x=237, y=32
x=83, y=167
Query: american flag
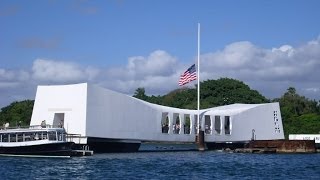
x=189, y=75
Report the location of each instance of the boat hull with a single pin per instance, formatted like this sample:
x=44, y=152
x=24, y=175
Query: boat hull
x=103, y=145
x=50, y=149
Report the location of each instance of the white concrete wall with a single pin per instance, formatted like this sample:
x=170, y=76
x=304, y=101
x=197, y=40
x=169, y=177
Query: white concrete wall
x=259, y=117
x=116, y=115
x=68, y=99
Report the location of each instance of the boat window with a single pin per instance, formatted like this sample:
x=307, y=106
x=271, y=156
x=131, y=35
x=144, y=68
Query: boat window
x=44, y=135
x=187, y=123
x=207, y=124
x=227, y=125
x=176, y=124
x=217, y=124
x=165, y=123
x=13, y=138
x=20, y=137
x=27, y=137
x=5, y=138
x=32, y=136
x=52, y=136
x=61, y=136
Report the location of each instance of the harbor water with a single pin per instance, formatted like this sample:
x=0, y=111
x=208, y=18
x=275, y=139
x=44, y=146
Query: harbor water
x=165, y=165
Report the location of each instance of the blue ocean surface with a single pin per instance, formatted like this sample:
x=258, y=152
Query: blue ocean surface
x=165, y=165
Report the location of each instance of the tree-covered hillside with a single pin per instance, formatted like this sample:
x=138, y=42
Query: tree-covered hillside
x=300, y=115
x=213, y=93
x=17, y=111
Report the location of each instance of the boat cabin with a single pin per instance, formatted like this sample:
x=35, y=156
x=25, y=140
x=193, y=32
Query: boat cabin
x=32, y=134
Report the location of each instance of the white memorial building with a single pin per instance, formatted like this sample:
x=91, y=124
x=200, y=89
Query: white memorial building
x=108, y=121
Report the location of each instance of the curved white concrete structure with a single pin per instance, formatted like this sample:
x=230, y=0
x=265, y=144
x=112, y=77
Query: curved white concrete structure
x=98, y=114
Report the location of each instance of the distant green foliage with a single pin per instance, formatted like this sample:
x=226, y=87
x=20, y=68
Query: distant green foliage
x=213, y=93
x=228, y=91
x=17, y=111
x=299, y=114
x=180, y=98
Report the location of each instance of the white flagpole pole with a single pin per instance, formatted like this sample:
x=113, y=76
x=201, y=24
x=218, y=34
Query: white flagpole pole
x=198, y=78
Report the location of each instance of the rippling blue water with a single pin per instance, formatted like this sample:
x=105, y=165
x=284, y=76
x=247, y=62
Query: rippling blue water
x=165, y=165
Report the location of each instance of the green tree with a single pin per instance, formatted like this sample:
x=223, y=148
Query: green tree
x=228, y=91
x=17, y=112
x=140, y=93
x=299, y=114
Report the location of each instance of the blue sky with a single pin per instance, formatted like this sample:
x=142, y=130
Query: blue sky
x=123, y=45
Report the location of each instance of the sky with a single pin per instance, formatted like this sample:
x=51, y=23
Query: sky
x=126, y=44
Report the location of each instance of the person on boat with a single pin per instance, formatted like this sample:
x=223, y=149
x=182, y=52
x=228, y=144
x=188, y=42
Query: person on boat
x=6, y=125
x=43, y=124
x=60, y=124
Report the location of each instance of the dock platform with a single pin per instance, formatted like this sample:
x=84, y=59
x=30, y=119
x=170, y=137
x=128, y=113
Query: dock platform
x=277, y=146
x=82, y=153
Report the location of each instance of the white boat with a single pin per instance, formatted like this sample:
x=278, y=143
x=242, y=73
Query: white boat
x=35, y=141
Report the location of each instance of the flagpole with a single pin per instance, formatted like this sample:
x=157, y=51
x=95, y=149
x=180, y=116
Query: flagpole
x=201, y=143
x=198, y=79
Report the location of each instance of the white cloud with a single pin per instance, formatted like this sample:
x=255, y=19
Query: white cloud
x=12, y=78
x=157, y=63
x=270, y=71
x=19, y=84
x=153, y=84
x=6, y=74
x=23, y=75
x=156, y=72
x=91, y=72
x=8, y=85
x=59, y=71
x=313, y=90
x=15, y=85
x=243, y=60
x=235, y=56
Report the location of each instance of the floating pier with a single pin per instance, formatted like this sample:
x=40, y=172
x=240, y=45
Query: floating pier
x=82, y=153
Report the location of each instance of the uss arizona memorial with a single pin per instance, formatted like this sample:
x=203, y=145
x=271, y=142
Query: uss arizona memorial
x=108, y=121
